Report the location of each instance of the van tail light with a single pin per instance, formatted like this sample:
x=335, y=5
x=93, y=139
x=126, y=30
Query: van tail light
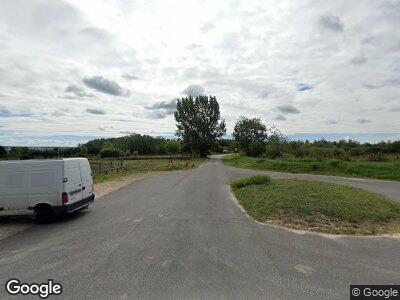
x=92, y=188
x=64, y=198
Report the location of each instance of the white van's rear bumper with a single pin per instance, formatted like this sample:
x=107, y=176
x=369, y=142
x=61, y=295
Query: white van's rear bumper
x=69, y=208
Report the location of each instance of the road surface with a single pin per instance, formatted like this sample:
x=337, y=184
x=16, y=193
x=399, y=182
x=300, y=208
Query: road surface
x=181, y=235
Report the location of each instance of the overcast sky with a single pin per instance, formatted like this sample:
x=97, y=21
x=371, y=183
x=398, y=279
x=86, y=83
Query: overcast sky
x=73, y=70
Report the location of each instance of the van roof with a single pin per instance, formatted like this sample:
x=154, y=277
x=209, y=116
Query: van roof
x=40, y=160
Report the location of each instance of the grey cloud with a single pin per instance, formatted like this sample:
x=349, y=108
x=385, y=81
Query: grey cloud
x=288, y=109
x=162, y=109
x=193, y=90
x=358, y=60
x=106, y=86
x=168, y=105
x=363, y=120
x=280, y=118
x=331, y=22
x=129, y=77
x=95, y=111
x=332, y=122
x=77, y=91
x=385, y=83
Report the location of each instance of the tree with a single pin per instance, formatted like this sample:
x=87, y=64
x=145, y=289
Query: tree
x=3, y=152
x=110, y=152
x=251, y=135
x=199, y=123
x=172, y=147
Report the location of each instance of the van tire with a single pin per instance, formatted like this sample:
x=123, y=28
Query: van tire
x=44, y=214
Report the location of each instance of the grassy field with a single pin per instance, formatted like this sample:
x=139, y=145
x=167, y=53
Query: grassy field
x=143, y=167
x=317, y=206
x=389, y=170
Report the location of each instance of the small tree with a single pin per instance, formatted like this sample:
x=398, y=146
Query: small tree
x=173, y=147
x=3, y=152
x=251, y=135
x=199, y=123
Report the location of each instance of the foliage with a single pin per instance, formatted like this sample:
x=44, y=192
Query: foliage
x=251, y=180
x=172, y=147
x=3, y=152
x=199, y=123
x=251, y=135
x=110, y=152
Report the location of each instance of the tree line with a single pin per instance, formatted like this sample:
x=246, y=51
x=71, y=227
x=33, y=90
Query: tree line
x=201, y=130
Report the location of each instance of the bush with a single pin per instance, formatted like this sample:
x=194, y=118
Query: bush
x=334, y=163
x=250, y=181
x=110, y=152
x=256, y=149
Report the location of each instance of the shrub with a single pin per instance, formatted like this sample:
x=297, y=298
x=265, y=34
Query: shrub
x=110, y=152
x=250, y=181
x=334, y=163
x=256, y=149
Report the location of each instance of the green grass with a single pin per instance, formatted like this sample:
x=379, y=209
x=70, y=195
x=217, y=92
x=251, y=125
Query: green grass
x=388, y=170
x=317, y=206
x=143, y=167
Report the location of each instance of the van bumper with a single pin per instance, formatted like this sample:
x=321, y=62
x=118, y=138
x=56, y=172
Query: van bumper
x=69, y=208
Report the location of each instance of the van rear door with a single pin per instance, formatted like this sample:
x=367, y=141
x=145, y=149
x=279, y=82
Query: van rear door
x=73, y=184
x=86, y=175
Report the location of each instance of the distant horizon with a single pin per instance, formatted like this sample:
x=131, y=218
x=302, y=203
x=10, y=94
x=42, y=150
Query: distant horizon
x=75, y=140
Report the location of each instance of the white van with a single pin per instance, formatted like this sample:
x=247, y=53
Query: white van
x=46, y=187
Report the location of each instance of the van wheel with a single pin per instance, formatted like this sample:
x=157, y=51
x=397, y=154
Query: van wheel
x=44, y=214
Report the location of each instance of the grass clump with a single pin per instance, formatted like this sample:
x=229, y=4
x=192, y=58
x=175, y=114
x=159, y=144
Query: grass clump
x=318, y=206
x=254, y=180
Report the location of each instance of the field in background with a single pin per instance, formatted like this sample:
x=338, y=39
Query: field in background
x=107, y=169
x=388, y=170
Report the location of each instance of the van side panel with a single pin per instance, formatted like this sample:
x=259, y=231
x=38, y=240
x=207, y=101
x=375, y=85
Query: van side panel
x=13, y=187
x=86, y=175
x=45, y=183
x=73, y=185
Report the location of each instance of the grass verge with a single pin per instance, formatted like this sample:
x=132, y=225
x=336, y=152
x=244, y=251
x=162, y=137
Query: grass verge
x=137, y=168
x=317, y=206
x=389, y=170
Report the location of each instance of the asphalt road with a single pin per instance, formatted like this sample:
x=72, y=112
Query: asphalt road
x=181, y=235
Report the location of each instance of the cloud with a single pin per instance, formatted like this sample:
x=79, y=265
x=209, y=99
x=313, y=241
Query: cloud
x=363, y=120
x=77, y=91
x=193, y=90
x=162, y=109
x=206, y=27
x=288, y=109
x=95, y=111
x=301, y=87
x=386, y=83
x=129, y=77
x=280, y=118
x=331, y=22
x=332, y=122
x=106, y=86
x=358, y=60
